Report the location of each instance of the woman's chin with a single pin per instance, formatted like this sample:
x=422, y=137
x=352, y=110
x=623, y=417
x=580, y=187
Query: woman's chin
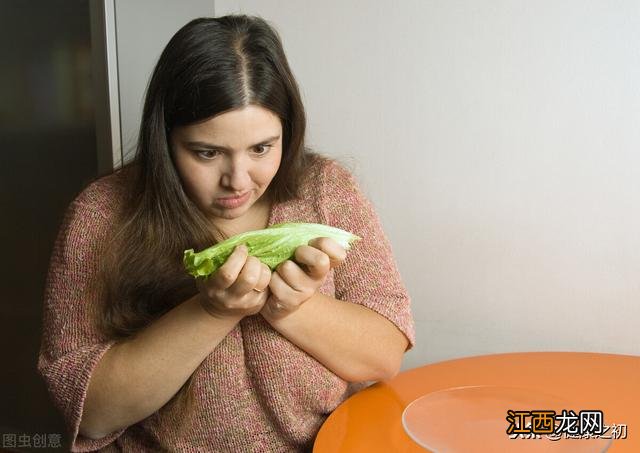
x=226, y=214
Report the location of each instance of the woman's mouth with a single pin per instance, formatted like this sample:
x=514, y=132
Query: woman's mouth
x=233, y=202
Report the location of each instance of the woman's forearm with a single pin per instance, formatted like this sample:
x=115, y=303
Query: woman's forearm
x=137, y=377
x=351, y=340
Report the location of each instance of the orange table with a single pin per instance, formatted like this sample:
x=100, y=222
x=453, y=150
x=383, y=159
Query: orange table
x=371, y=420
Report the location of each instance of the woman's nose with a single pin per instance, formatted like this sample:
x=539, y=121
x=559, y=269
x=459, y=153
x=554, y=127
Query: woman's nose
x=236, y=175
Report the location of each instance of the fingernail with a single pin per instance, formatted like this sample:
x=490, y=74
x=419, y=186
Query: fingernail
x=242, y=248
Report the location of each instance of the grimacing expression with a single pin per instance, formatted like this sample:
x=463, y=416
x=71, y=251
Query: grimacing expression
x=227, y=162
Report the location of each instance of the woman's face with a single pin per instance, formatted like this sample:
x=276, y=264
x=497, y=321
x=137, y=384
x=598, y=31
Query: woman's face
x=227, y=162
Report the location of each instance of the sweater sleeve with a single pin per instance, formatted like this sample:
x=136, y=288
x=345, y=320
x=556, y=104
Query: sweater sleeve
x=369, y=276
x=71, y=346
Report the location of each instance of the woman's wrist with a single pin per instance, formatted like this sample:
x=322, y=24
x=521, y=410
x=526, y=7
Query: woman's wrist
x=207, y=308
x=276, y=313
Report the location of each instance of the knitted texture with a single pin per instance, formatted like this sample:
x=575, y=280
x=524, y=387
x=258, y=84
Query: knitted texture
x=256, y=392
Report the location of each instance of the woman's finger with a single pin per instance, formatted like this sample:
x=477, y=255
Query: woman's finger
x=281, y=290
x=248, y=278
x=294, y=276
x=314, y=260
x=265, y=277
x=253, y=301
x=336, y=253
x=227, y=274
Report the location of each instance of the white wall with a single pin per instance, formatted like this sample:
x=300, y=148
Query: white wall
x=499, y=141
x=143, y=29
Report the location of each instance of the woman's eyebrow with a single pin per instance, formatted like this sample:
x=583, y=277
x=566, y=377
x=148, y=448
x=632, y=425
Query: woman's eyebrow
x=200, y=144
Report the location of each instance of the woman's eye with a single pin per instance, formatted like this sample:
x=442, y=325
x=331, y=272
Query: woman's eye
x=207, y=154
x=262, y=149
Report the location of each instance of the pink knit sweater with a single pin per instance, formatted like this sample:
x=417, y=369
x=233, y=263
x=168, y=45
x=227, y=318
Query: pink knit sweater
x=256, y=392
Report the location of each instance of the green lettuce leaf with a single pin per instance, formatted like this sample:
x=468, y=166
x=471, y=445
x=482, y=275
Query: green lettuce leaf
x=272, y=245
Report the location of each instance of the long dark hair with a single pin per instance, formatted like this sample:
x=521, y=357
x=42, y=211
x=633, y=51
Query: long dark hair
x=210, y=66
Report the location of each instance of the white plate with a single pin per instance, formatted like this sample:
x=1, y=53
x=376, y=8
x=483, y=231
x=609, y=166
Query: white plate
x=474, y=419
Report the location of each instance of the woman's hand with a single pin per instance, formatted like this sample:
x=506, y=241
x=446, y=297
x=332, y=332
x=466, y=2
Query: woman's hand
x=293, y=283
x=239, y=288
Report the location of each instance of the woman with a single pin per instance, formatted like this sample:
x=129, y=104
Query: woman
x=140, y=357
